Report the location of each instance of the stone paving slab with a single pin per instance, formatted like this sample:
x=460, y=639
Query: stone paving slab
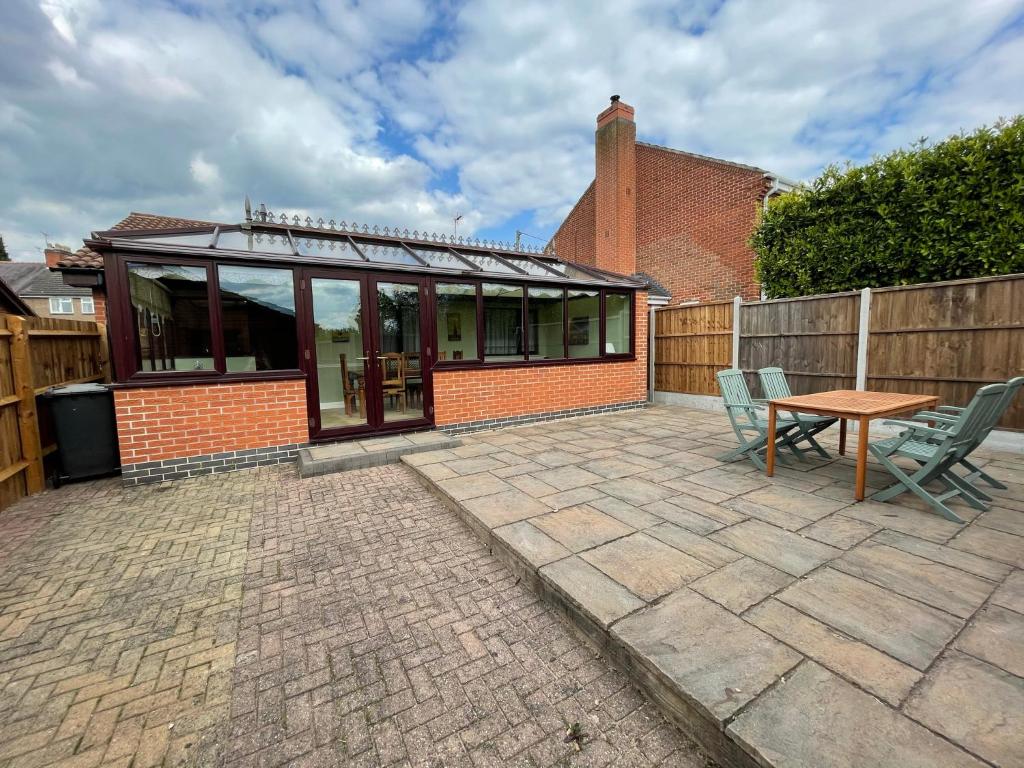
x=711, y=583
x=369, y=452
x=975, y=704
x=814, y=718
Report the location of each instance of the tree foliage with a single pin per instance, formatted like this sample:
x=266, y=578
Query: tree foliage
x=3, y=250
x=942, y=211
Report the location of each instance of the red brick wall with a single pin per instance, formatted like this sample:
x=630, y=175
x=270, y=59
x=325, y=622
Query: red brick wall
x=615, y=189
x=157, y=423
x=99, y=300
x=694, y=219
x=473, y=395
x=576, y=239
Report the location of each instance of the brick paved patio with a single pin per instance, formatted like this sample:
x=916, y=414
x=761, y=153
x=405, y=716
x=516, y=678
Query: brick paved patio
x=779, y=621
x=255, y=619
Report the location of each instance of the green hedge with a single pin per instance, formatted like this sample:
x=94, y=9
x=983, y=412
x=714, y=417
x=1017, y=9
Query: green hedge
x=934, y=212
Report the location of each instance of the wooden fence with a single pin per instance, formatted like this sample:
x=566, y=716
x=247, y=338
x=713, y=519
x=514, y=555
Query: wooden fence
x=945, y=338
x=37, y=353
x=690, y=345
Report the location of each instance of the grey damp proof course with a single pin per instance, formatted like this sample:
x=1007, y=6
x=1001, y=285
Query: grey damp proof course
x=208, y=464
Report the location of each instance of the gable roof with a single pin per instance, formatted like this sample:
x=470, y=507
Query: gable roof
x=135, y=220
x=707, y=158
x=86, y=258
x=35, y=279
x=11, y=302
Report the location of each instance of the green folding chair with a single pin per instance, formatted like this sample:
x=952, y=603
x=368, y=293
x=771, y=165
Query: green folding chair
x=775, y=386
x=946, y=415
x=747, y=419
x=937, y=450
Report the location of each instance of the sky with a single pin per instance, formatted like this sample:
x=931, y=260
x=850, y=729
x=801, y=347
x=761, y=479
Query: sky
x=408, y=113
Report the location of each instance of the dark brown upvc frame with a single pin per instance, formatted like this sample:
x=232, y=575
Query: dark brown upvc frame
x=127, y=366
x=375, y=423
x=127, y=362
x=481, y=362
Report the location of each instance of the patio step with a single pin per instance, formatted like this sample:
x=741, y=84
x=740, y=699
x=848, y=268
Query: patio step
x=370, y=452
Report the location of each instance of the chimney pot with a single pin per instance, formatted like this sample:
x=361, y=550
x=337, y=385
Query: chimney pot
x=615, y=98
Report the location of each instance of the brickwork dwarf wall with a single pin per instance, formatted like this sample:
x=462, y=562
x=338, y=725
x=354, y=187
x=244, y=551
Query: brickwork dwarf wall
x=498, y=393
x=156, y=424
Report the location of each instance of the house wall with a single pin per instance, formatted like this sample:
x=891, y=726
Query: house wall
x=41, y=306
x=694, y=220
x=469, y=398
x=576, y=239
x=166, y=433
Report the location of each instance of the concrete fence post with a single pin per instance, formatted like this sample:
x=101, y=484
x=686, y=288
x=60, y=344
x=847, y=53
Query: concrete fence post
x=736, y=331
x=863, y=332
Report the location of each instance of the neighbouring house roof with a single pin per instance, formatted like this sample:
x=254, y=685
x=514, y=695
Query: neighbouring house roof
x=31, y=279
x=135, y=220
x=85, y=258
x=707, y=158
x=10, y=302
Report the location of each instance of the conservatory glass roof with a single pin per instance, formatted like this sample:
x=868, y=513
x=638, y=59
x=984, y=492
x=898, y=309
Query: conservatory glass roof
x=352, y=248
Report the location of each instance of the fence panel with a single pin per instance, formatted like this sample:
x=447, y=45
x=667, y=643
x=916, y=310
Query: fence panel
x=35, y=354
x=692, y=344
x=813, y=339
x=948, y=339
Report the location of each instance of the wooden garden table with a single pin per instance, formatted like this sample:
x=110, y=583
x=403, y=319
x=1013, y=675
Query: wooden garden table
x=848, y=404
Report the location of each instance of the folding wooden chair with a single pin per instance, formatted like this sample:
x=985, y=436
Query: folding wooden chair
x=937, y=450
x=775, y=386
x=746, y=419
x=946, y=415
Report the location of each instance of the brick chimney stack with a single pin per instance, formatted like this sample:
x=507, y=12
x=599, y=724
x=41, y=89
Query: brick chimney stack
x=615, y=188
x=54, y=253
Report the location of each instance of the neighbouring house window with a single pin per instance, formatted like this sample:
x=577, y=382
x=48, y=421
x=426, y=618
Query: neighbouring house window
x=584, y=308
x=88, y=307
x=456, y=321
x=547, y=323
x=616, y=323
x=171, y=309
x=258, y=316
x=503, y=322
x=62, y=305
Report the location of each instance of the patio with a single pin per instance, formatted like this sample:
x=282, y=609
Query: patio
x=254, y=619
x=779, y=622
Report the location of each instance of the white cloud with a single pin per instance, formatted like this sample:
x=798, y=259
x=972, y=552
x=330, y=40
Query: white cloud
x=369, y=110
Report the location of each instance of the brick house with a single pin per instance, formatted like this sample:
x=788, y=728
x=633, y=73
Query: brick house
x=45, y=292
x=234, y=344
x=684, y=219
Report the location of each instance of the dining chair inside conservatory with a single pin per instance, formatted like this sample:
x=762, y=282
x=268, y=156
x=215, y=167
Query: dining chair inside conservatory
x=774, y=386
x=749, y=421
x=936, y=450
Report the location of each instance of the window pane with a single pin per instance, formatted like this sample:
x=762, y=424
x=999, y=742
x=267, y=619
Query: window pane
x=341, y=362
x=389, y=254
x=401, y=365
x=326, y=248
x=441, y=259
x=88, y=307
x=503, y=322
x=456, y=322
x=530, y=268
x=257, y=242
x=584, y=319
x=544, y=308
x=172, y=317
x=616, y=329
x=258, y=310
x=488, y=263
